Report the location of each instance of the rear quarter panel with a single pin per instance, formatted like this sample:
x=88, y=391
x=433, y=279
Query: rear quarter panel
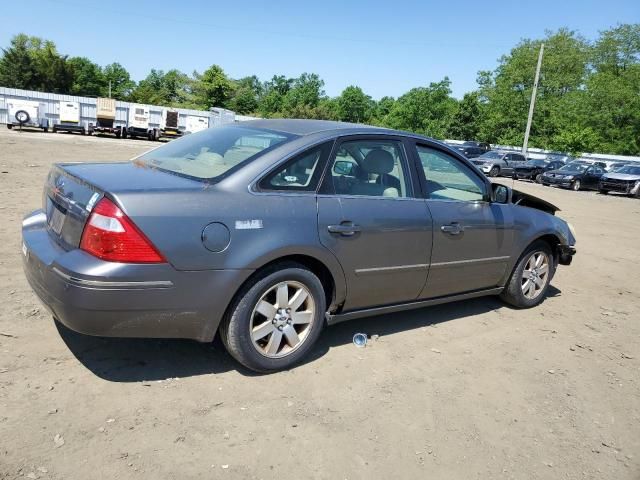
x=262, y=227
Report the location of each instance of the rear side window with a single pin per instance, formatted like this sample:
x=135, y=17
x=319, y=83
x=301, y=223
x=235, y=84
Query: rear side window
x=213, y=152
x=301, y=173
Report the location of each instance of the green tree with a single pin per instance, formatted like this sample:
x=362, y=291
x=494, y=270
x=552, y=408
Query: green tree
x=507, y=90
x=354, y=105
x=306, y=91
x=121, y=83
x=271, y=101
x=172, y=88
x=246, y=97
x=465, y=122
x=88, y=78
x=212, y=88
x=55, y=74
x=17, y=66
x=383, y=107
x=425, y=110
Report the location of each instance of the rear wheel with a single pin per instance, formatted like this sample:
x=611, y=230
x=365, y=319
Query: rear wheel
x=531, y=276
x=575, y=185
x=602, y=191
x=275, y=319
x=494, y=172
x=9, y=126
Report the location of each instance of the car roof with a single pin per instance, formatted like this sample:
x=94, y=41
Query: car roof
x=308, y=127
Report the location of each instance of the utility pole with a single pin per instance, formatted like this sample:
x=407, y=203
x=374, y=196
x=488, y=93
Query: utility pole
x=533, y=102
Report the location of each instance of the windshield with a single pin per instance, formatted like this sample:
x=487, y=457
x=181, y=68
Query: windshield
x=490, y=155
x=535, y=163
x=630, y=169
x=574, y=167
x=213, y=152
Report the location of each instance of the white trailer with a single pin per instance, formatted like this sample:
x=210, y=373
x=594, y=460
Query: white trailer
x=139, y=123
x=69, y=113
x=196, y=123
x=26, y=113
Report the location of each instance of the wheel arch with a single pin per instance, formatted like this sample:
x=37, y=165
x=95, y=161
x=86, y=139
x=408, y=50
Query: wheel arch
x=333, y=285
x=552, y=239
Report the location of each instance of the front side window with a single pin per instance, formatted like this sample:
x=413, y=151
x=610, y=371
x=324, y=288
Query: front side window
x=302, y=173
x=372, y=168
x=448, y=178
x=213, y=152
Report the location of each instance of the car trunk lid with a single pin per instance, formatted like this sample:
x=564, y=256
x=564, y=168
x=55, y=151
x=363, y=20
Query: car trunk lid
x=72, y=190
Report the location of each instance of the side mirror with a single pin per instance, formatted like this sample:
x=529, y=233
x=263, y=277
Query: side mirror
x=342, y=167
x=501, y=193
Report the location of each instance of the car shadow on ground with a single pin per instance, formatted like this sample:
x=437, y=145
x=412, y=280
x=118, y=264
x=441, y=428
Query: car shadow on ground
x=139, y=360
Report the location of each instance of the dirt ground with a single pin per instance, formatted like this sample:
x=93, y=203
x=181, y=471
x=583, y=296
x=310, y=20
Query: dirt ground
x=470, y=390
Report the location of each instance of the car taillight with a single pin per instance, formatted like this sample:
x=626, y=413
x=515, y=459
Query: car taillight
x=110, y=235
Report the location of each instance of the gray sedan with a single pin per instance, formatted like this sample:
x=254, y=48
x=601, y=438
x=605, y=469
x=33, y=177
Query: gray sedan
x=266, y=231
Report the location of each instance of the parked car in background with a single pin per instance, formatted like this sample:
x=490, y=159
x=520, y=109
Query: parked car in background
x=469, y=151
x=484, y=146
x=612, y=167
x=264, y=232
x=533, y=169
x=624, y=180
x=575, y=175
x=496, y=163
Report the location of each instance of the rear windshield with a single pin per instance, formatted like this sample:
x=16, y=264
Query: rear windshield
x=213, y=152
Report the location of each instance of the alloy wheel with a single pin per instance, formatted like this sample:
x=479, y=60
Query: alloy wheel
x=282, y=319
x=576, y=185
x=535, y=275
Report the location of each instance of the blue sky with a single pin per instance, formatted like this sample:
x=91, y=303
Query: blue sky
x=386, y=47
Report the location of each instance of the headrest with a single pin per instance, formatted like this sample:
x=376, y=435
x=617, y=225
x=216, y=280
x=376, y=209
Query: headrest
x=378, y=161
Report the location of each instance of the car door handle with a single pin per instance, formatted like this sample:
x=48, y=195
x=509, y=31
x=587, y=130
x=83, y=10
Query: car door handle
x=452, y=229
x=345, y=229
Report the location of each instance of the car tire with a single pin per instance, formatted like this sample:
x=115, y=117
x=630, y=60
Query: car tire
x=517, y=291
x=9, y=126
x=263, y=354
x=494, y=172
x=538, y=178
x=575, y=185
x=603, y=192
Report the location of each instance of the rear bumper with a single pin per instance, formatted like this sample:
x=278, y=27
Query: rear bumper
x=101, y=298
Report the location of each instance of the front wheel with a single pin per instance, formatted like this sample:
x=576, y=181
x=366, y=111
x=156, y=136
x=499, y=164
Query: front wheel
x=275, y=319
x=602, y=191
x=531, y=276
x=576, y=185
x=494, y=172
x=538, y=178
